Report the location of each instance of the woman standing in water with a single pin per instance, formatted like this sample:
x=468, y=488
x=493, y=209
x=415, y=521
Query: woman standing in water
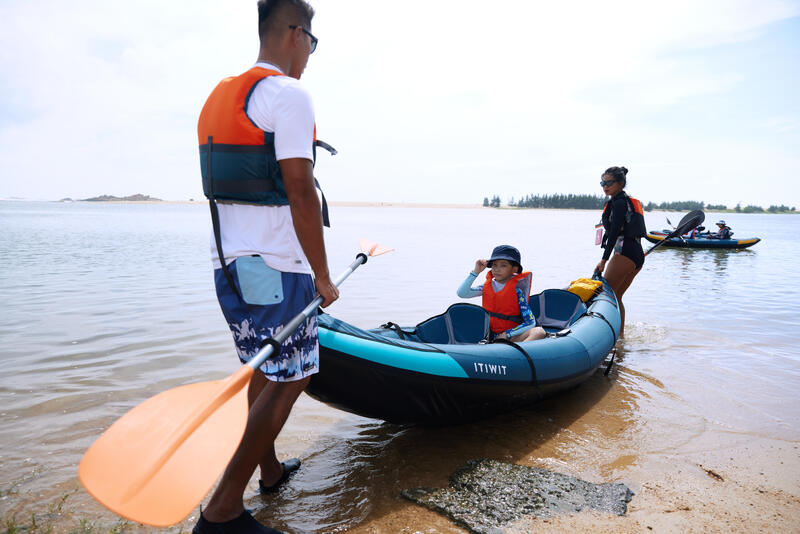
x=623, y=222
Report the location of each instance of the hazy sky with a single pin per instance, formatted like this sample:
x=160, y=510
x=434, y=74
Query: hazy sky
x=427, y=101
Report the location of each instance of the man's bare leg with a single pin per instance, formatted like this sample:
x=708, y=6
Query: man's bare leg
x=268, y=413
x=271, y=469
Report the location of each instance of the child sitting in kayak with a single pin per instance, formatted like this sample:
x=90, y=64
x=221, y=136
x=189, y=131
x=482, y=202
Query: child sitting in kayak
x=505, y=295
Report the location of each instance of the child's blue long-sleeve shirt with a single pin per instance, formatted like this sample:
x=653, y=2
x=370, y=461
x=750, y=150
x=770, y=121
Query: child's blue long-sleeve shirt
x=466, y=291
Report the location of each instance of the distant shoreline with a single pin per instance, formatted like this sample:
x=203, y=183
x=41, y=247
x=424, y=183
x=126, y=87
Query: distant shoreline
x=342, y=203
x=354, y=204
x=365, y=204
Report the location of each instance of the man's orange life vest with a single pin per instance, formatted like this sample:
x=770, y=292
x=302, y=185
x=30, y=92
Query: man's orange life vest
x=237, y=158
x=503, y=306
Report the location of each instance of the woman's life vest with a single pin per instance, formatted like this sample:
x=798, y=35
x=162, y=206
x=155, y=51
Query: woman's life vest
x=634, y=225
x=503, y=306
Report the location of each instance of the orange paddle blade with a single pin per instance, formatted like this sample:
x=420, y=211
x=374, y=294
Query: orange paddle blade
x=158, y=461
x=372, y=249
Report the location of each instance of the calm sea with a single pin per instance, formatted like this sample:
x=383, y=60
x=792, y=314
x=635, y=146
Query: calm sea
x=105, y=305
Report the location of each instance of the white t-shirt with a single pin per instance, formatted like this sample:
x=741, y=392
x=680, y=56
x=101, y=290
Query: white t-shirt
x=281, y=105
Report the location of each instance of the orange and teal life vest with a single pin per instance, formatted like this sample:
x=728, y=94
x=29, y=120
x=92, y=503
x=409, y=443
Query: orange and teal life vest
x=503, y=306
x=237, y=158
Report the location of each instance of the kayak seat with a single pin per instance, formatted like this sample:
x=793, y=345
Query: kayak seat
x=460, y=324
x=556, y=309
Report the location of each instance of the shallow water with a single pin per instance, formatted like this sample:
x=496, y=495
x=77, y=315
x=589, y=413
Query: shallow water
x=107, y=304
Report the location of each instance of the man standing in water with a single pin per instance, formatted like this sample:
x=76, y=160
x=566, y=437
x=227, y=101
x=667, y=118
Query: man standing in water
x=256, y=134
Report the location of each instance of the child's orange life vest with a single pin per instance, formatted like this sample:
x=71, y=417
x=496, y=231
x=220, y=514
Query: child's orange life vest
x=503, y=305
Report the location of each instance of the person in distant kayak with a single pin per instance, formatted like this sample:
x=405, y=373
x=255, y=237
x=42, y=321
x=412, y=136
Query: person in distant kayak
x=723, y=232
x=623, y=223
x=259, y=127
x=505, y=295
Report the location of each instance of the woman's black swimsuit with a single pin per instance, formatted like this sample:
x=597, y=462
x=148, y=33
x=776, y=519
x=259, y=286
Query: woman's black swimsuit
x=632, y=249
x=614, y=222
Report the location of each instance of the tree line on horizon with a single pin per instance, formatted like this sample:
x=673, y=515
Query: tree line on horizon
x=593, y=202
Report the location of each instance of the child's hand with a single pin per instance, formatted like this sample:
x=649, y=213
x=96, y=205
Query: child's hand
x=480, y=265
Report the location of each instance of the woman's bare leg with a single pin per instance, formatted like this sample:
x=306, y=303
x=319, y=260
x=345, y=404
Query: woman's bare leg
x=620, y=272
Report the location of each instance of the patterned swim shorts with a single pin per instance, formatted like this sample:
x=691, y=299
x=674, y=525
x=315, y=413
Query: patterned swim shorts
x=269, y=300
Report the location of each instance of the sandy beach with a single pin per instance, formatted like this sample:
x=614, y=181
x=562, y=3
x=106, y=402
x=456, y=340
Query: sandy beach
x=745, y=489
x=686, y=477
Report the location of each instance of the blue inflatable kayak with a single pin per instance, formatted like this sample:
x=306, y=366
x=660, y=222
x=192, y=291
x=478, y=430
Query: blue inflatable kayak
x=443, y=371
x=701, y=241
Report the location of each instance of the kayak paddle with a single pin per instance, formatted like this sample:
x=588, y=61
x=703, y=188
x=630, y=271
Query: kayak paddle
x=158, y=461
x=690, y=221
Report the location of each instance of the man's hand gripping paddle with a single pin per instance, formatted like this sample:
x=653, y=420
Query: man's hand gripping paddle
x=158, y=461
x=690, y=221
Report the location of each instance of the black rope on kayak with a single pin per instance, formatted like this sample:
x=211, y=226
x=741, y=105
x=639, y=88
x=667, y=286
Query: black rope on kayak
x=611, y=301
x=611, y=361
x=394, y=327
x=600, y=315
x=534, y=380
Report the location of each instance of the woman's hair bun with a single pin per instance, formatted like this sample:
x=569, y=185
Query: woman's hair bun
x=624, y=171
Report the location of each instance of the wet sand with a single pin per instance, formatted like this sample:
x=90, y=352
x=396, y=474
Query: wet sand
x=689, y=473
x=700, y=492
x=714, y=479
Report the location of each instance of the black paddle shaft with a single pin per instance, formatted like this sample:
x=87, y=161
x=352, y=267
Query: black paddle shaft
x=691, y=220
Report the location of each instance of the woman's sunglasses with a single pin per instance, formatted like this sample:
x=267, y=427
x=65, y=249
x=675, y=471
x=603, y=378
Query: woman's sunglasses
x=607, y=183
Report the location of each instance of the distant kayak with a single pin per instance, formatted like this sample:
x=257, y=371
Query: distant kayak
x=440, y=371
x=700, y=241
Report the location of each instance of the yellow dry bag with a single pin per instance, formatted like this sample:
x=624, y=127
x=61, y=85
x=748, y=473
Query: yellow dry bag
x=585, y=288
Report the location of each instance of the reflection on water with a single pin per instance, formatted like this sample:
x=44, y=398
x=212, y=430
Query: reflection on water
x=106, y=305
x=713, y=261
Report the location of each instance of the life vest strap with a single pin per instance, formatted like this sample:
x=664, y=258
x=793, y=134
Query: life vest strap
x=231, y=187
x=515, y=318
x=235, y=149
x=326, y=222
x=212, y=204
x=322, y=144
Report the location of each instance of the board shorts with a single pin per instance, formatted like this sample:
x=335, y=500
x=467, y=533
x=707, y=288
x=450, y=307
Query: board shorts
x=267, y=300
x=631, y=248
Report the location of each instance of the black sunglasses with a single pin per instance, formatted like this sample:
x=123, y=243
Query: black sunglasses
x=314, y=40
x=607, y=183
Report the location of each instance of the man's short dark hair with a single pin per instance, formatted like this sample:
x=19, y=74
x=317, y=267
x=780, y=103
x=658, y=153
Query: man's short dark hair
x=276, y=13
